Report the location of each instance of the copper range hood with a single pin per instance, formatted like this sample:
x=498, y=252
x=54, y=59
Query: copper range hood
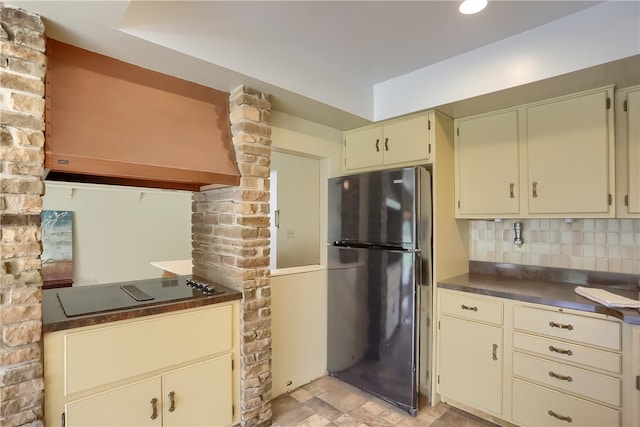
x=111, y=122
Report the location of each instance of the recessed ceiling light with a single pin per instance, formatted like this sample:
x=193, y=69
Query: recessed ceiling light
x=469, y=7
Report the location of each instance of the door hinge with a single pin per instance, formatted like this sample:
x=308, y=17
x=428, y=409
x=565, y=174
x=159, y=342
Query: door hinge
x=624, y=105
x=626, y=200
x=429, y=148
x=458, y=204
x=638, y=382
x=232, y=365
x=62, y=418
x=610, y=199
x=438, y=325
x=438, y=379
x=608, y=103
x=233, y=410
x=429, y=124
x=458, y=131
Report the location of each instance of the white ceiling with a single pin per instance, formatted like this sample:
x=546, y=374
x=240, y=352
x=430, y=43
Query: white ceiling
x=319, y=60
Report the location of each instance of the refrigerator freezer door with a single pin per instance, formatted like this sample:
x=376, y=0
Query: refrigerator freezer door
x=372, y=322
x=377, y=208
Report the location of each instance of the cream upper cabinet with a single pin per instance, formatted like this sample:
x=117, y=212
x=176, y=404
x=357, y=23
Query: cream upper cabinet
x=551, y=159
x=487, y=165
x=396, y=142
x=471, y=350
x=633, y=144
x=628, y=152
x=570, y=156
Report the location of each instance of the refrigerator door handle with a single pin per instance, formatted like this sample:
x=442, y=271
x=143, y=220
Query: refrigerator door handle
x=418, y=269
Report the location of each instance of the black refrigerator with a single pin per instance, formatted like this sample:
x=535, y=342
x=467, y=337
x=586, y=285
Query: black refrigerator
x=379, y=283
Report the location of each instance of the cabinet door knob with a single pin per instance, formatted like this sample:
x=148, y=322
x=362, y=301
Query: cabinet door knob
x=558, y=350
x=172, y=401
x=561, y=326
x=154, y=408
x=377, y=145
x=566, y=378
x=560, y=417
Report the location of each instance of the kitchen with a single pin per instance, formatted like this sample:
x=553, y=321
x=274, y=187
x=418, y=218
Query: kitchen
x=287, y=125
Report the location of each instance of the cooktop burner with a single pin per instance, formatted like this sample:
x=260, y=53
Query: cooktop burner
x=82, y=300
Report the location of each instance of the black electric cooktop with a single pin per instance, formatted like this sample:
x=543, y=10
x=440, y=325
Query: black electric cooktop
x=83, y=300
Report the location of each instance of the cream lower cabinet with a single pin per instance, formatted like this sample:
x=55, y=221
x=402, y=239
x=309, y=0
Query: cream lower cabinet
x=196, y=395
x=471, y=351
x=152, y=371
x=554, y=366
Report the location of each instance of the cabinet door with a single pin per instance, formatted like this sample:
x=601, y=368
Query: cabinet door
x=126, y=406
x=363, y=148
x=633, y=135
x=487, y=159
x=568, y=158
x=202, y=394
x=470, y=363
x=406, y=141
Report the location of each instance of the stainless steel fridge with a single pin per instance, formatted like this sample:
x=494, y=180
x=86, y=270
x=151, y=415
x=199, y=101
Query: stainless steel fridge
x=379, y=286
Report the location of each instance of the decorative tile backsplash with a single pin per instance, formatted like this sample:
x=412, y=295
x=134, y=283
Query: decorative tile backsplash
x=611, y=245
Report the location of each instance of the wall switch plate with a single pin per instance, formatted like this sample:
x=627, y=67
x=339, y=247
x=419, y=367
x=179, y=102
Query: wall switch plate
x=521, y=248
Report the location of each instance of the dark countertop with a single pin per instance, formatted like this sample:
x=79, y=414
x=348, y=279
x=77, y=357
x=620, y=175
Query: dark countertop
x=549, y=286
x=171, y=294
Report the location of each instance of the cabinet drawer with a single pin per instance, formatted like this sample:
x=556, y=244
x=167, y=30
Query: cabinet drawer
x=534, y=405
x=569, y=352
x=107, y=354
x=467, y=306
x=574, y=380
x=582, y=329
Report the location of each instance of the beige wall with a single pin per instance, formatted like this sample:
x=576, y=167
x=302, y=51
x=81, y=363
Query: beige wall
x=611, y=245
x=118, y=231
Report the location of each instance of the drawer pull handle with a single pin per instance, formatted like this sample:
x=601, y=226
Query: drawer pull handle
x=561, y=326
x=172, y=400
x=466, y=307
x=154, y=408
x=494, y=353
x=560, y=417
x=559, y=350
x=560, y=377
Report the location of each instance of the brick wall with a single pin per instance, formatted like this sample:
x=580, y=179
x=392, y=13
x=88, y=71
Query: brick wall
x=231, y=246
x=22, y=69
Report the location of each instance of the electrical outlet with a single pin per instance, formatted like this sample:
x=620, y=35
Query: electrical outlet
x=521, y=248
x=291, y=233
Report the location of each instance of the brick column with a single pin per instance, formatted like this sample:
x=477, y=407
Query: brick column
x=22, y=69
x=231, y=246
